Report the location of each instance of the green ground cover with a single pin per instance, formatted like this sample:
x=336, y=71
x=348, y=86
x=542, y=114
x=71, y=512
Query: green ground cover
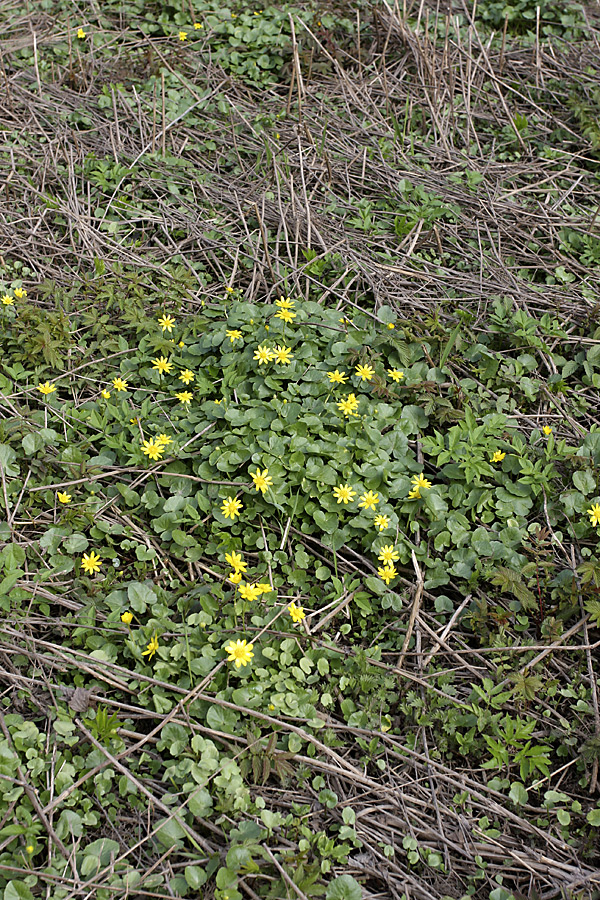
x=299, y=450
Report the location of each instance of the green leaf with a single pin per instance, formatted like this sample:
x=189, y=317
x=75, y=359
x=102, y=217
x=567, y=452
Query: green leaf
x=344, y=887
x=31, y=443
x=140, y=596
x=518, y=794
x=584, y=481
x=593, y=818
x=195, y=877
x=17, y=890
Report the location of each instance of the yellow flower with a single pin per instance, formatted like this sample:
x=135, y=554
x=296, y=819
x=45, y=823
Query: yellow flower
x=337, y=377
x=283, y=354
x=264, y=587
x=233, y=334
x=234, y=577
x=369, y=500
x=343, y=493
x=134, y=421
x=382, y=522
x=29, y=849
x=285, y=303
x=396, y=374
x=91, y=563
x=20, y=293
x=420, y=482
x=263, y=355
x=152, y=449
x=349, y=405
x=414, y=494
x=80, y=33
x=229, y=289
x=388, y=555
x=387, y=573
x=240, y=653
x=163, y=439
x=286, y=315
x=235, y=561
x=166, y=323
x=231, y=507
x=547, y=430
x=296, y=612
x=198, y=25
x=391, y=325
x=187, y=376
x=104, y=393
x=249, y=591
x=181, y=344
x=262, y=480
x=47, y=388
x=151, y=648
x=594, y=514
x=184, y=397
x=119, y=384
x=63, y=497
x=127, y=618
x=182, y=35
x=8, y=300
x=497, y=456
x=365, y=372
x=162, y=364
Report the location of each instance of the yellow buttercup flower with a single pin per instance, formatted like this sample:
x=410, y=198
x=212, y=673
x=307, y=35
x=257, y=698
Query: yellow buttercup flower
x=231, y=507
x=163, y=439
x=285, y=303
x=387, y=573
x=382, y=522
x=235, y=561
x=20, y=293
x=547, y=430
x=162, y=364
x=388, y=555
x=152, y=647
x=396, y=374
x=391, y=325
x=264, y=587
x=91, y=562
x=369, y=500
x=594, y=514
x=183, y=35
x=349, y=405
x=286, y=315
x=263, y=355
x=249, y=591
x=152, y=449
x=283, y=354
x=104, y=393
x=166, y=323
x=296, y=612
x=46, y=388
x=234, y=577
x=187, y=376
x=234, y=334
x=344, y=493
x=497, y=456
x=365, y=372
x=414, y=494
x=63, y=497
x=7, y=300
x=337, y=377
x=80, y=33
x=198, y=25
x=127, y=618
x=262, y=480
x=239, y=652
x=419, y=481
x=184, y=397
x=119, y=384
